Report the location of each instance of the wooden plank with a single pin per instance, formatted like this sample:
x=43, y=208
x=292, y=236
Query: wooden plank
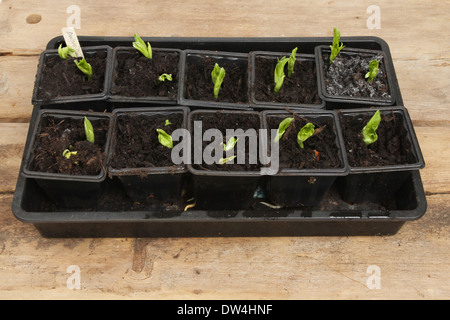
x=413, y=264
x=39, y=22
x=17, y=75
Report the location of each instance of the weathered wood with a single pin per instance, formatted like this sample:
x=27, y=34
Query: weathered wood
x=413, y=264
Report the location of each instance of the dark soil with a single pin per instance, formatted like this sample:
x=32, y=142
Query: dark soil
x=137, y=144
x=137, y=76
x=323, y=142
x=199, y=85
x=61, y=78
x=58, y=134
x=300, y=88
x=392, y=146
x=223, y=121
x=346, y=76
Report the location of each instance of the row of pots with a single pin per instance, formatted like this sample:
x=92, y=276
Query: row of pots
x=216, y=187
x=191, y=73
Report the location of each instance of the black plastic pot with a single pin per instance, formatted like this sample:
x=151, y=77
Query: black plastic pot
x=88, y=51
x=161, y=184
x=272, y=101
x=221, y=190
x=206, y=60
x=162, y=99
x=68, y=191
x=379, y=183
x=292, y=187
x=349, y=101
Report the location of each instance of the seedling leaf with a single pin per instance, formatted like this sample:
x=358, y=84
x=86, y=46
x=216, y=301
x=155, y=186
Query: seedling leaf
x=139, y=45
x=67, y=153
x=167, y=123
x=369, y=131
x=89, y=130
x=217, y=75
x=165, y=77
x=291, y=62
x=165, y=139
x=230, y=144
x=373, y=70
x=282, y=127
x=225, y=160
x=335, y=48
x=65, y=52
x=278, y=73
x=304, y=133
x=85, y=67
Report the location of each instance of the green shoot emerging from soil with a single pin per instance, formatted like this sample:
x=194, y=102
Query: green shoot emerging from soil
x=278, y=74
x=164, y=138
x=89, y=129
x=67, y=153
x=230, y=144
x=335, y=48
x=282, y=127
x=306, y=132
x=139, y=45
x=291, y=62
x=373, y=70
x=369, y=131
x=217, y=75
x=165, y=77
x=225, y=160
x=65, y=52
x=85, y=67
x=167, y=123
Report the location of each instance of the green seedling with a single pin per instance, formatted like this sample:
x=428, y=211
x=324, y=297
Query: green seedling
x=225, y=160
x=306, y=132
x=65, y=52
x=165, y=77
x=230, y=144
x=369, y=131
x=67, y=153
x=89, y=129
x=291, y=62
x=282, y=127
x=373, y=70
x=278, y=74
x=139, y=45
x=85, y=67
x=217, y=75
x=167, y=123
x=335, y=48
x=164, y=138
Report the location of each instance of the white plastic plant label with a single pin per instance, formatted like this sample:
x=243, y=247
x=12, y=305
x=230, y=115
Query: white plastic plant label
x=71, y=39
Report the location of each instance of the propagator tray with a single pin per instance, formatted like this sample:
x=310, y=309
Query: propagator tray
x=117, y=216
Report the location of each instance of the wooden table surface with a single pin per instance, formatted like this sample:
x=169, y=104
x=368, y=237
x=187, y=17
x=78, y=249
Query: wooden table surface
x=413, y=264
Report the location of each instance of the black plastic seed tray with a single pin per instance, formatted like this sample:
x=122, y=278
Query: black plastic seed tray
x=116, y=215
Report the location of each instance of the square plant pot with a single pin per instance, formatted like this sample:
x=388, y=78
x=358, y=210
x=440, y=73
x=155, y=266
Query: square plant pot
x=298, y=91
x=304, y=174
x=135, y=78
x=142, y=164
x=60, y=81
x=74, y=180
x=228, y=185
x=196, y=85
x=378, y=171
x=343, y=82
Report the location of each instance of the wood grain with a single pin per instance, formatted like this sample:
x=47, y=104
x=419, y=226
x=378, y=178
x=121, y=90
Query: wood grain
x=414, y=263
